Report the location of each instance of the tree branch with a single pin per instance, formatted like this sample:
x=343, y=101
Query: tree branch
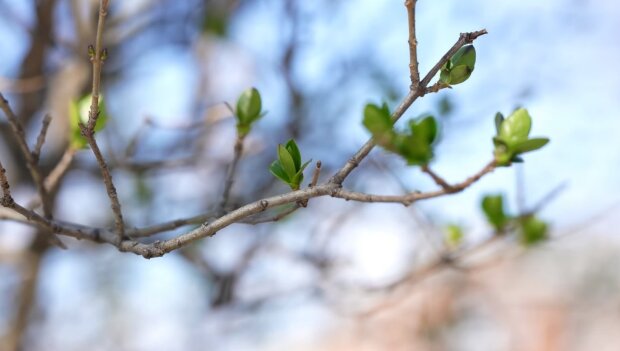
x=41, y=138
x=230, y=177
x=410, y=198
x=412, y=96
x=31, y=163
x=97, y=59
x=413, y=45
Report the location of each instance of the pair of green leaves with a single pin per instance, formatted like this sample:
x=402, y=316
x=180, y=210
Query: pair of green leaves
x=415, y=144
x=78, y=113
x=249, y=110
x=531, y=229
x=288, y=167
x=459, y=67
x=512, y=137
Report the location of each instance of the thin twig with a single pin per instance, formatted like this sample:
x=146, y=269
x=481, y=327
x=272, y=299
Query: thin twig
x=436, y=178
x=410, y=198
x=413, y=45
x=316, y=174
x=97, y=61
x=53, y=179
x=7, y=199
x=273, y=218
x=171, y=225
x=97, y=58
x=31, y=163
x=230, y=176
x=41, y=138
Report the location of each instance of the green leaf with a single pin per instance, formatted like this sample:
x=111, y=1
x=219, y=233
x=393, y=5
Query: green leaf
x=533, y=231
x=444, y=76
x=529, y=145
x=493, y=207
x=277, y=170
x=286, y=161
x=293, y=150
x=414, y=150
x=459, y=74
x=466, y=55
x=516, y=127
x=249, y=106
x=425, y=128
x=460, y=66
x=79, y=113
x=377, y=120
x=499, y=118
x=301, y=169
x=215, y=22
x=454, y=236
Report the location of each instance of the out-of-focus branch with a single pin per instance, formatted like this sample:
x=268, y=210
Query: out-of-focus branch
x=31, y=162
x=436, y=178
x=410, y=198
x=230, y=177
x=41, y=138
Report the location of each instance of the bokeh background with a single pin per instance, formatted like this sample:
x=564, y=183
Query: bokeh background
x=336, y=275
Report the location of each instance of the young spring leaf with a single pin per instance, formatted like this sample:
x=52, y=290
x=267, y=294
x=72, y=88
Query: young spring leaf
x=249, y=107
x=288, y=167
x=460, y=66
x=377, y=120
x=516, y=127
x=293, y=150
x=493, y=208
x=278, y=172
x=79, y=113
x=529, y=145
x=286, y=161
x=454, y=236
x=499, y=118
x=459, y=74
x=425, y=128
x=533, y=231
x=465, y=56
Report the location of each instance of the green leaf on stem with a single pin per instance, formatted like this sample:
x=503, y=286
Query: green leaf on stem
x=493, y=208
x=288, y=167
x=454, y=236
x=460, y=66
x=512, y=137
x=516, y=127
x=533, y=231
x=249, y=110
x=529, y=145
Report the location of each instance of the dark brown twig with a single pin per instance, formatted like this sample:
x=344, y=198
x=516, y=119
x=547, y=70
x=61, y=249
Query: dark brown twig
x=31, y=163
x=41, y=138
x=436, y=178
x=97, y=58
